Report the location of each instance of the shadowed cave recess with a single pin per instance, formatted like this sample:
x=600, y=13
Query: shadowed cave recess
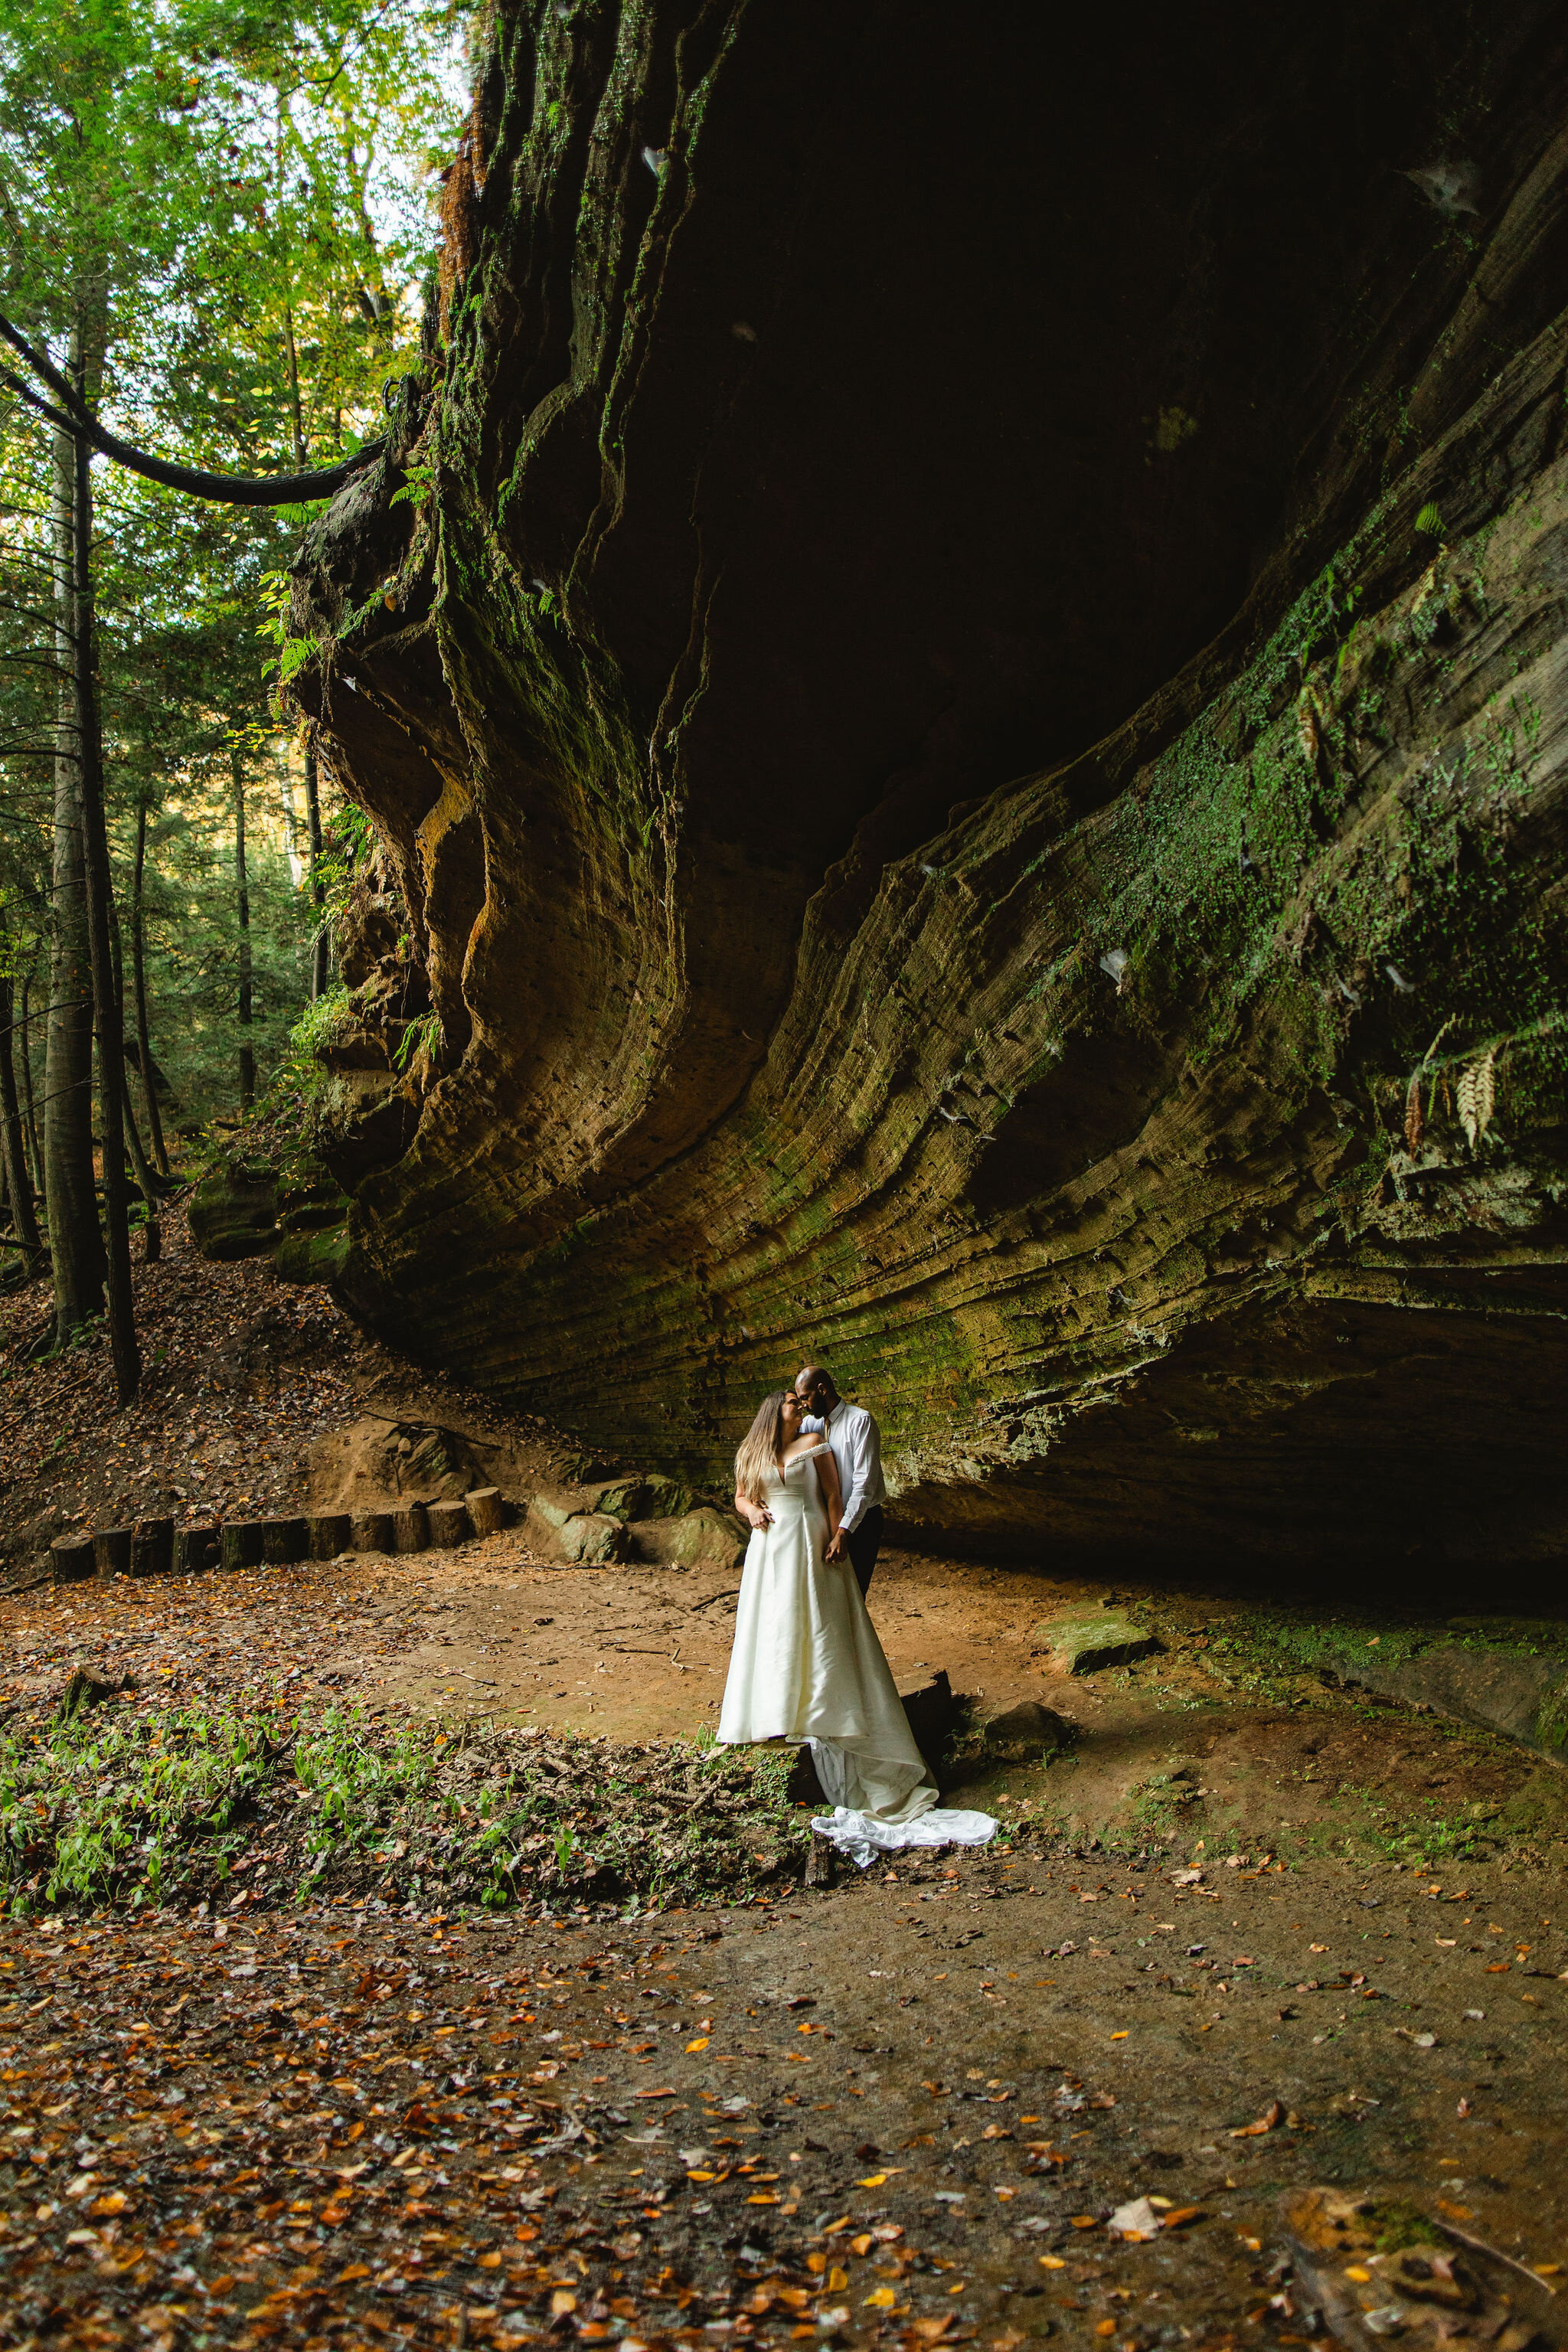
x=966, y=707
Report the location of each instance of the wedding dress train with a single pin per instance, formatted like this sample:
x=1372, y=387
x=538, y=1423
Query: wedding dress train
x=807, y=1665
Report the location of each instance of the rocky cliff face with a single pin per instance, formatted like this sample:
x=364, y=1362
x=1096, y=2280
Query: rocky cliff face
x=967, y=703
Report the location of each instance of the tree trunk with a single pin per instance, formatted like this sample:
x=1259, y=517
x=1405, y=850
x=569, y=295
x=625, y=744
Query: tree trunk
x=35, y=1156
x=18, y=1184
x=321, y=955
x=76, y=1245
x=247, y=1058
x=138, y=985
x=106, y=1004
x=146, y=1182
x=320, y=966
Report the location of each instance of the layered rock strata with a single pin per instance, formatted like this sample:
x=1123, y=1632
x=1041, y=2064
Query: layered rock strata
x=967, y=708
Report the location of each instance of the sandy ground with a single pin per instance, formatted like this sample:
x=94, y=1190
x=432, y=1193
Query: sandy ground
x=1167, y=1752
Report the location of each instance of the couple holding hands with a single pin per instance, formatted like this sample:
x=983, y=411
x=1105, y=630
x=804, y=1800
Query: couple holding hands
x=807, y=1665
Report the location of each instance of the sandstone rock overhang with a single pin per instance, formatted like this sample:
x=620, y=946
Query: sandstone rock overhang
x=967, y=708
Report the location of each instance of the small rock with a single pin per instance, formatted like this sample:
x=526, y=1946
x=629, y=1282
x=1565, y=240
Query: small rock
x=1027, y=1730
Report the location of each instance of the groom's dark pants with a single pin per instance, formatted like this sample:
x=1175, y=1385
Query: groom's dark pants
x=864, y=1545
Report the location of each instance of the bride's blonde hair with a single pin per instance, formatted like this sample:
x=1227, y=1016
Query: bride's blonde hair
x=762, y=1448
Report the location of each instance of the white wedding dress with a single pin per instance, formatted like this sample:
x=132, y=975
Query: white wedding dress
x=807, y=1665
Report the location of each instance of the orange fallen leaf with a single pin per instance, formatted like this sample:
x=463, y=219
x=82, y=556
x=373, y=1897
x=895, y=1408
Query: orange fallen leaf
x=1272, y=2113
x=1180, y=2215
x=354, y=2271
x=1084, y=2221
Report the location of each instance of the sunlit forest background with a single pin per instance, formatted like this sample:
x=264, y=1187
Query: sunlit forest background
x=219, y=221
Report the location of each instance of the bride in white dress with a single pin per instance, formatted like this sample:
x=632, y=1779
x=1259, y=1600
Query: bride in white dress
x=807, y=1663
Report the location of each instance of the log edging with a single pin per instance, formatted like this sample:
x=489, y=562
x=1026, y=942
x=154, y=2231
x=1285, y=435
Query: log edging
x=156, y=1547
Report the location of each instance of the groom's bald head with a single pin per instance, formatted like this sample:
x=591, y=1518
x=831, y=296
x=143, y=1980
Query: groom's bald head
x=816, y=1388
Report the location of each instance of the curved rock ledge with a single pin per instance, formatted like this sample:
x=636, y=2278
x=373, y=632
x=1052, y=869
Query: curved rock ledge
x=968, y=712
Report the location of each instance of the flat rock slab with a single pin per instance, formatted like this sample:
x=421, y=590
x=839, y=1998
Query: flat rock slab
x=1099, y=1638
x=1525, y=1697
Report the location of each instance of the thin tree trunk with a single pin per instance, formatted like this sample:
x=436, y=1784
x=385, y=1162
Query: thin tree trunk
x=18, y=1184
x=76, y=1245
x=320, y=969
x=26, y=1034
x=321, y=955
x=106, y=1005
x=139, y=984
x=296, y=415
x=146, y=1182
x=247, y=1058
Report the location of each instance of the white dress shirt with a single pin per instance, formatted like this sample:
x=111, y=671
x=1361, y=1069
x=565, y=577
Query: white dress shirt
x=856, y=1443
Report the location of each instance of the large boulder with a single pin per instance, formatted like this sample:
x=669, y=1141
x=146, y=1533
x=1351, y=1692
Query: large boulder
x=699, y=1539
x=563, y=1531
x=312, y=1226
x=652, y=1496
x=232, y=1213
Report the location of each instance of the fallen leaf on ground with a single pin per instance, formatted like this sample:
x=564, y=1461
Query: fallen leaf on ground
x=1273, y=2113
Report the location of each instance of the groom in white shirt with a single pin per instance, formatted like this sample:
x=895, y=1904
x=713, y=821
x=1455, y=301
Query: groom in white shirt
x=856, y=1445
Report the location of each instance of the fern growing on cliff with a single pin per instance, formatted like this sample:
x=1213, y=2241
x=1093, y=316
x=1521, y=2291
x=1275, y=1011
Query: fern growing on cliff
x=1478, y=1097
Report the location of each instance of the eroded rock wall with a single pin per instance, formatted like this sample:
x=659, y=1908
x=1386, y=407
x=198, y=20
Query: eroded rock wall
x=969, y=710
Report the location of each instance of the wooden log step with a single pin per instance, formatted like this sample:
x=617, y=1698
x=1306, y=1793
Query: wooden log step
x=370, y=1531
x=152, y=1548
x=282, y=1540
x=485, y=1510
x=195, y=1549
x=448, y=1524
x=411, y=1528
x=112, y=1551
x=71, y=1558
x=326, y=1534
x=240, y=1544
